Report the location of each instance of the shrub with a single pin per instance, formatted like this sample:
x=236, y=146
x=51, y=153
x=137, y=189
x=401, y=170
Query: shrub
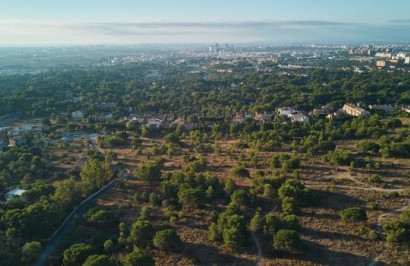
x=97, y=260
x=77, y=254
x=108, y=245
x=167, y=239
x=137, y=257
x=31, y=250
x=271, y=224
x=289, y=205
x=353, y=214
x=286, y=240
x=142, y=232
x=240, y=172
x=256, y=222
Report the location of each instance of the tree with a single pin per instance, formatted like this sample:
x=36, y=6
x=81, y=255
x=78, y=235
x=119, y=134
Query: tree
x=213, y=233
x=289, y=205
x=137, y=258
x=271, y=224
x=97, y=260
x=141, y=233
x=108, y=245
x=148, y=172
x=167, y=239
x=229, y=187
x=191, y=198
x=31, y=250
x=77, y=254
x=286, y=240
x=353, y=214
x=256, y=222
x=291, y=222
x=95, y=174
x=240, y=197
x=241, y=172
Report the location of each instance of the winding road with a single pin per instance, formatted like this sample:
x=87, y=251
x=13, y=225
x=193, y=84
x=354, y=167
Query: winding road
x=68, y=223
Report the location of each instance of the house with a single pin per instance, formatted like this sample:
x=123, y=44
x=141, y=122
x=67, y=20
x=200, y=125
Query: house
x=78, y=115
x=287, y=111
x=13, y=193
x=102, y=116
x=154, y=123
x=17, y=141
x=299, y=117
x=381, y=107
x=354, y=110
x=262, y=117
x=239, y=120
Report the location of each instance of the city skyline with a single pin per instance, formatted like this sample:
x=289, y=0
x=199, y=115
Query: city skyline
x=181, y=21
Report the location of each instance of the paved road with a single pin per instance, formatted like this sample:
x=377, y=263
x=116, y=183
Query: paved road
x=68, y=223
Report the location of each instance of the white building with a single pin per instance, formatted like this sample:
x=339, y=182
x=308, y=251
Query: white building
x=78, y=115
x=287, y=111
x=154, y=123
x=13, y=193
x=299, y=117
x=354, y=110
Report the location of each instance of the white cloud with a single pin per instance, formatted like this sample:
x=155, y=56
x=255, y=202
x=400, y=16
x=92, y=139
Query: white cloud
x=60, y=32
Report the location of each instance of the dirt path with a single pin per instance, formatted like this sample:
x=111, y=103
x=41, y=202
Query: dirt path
x=380, y=229
x=256, y=239
x=367, y=187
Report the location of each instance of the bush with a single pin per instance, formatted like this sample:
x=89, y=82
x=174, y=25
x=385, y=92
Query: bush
x=77, y=254
x=291, y=222
x=353, y=214
x=167, y=239
x=137, y=257
x=142, y=232
x=31, y=250
x=241, y=172
x=97, y=260
x=256, y=222
x=286, y=240
x=289, y=205
x=271, y=224
x=108, y=245
x=374, y=205
x=375, y=179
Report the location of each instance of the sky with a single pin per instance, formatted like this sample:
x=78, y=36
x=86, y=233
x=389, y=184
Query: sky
x=72, y=22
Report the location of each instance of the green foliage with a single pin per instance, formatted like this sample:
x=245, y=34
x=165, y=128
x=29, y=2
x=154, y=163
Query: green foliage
x=31, y=250
x=77, y=254
x=101, y=218
x=286, y=240
x=137, y=257
x=108, y=245
x=339, y=156
x=398, y=230
x=97, y=260
x=167, y=239
x=256, y=222
x=353, y=214
x=95, y=175
x=291, y=222
x=369, y=146
x=148, y=172
x=272, y=223
x=289, y=205
x=141, y=233
x=191, y=198
x=241, y=172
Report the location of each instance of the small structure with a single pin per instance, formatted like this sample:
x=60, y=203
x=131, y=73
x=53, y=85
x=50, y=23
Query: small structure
x=17, y=192
x=154, y=123
x=354, y=110
x=299, y=117
x=287, y=111
x=78, y=115
x=262, y=117
x=381, y=107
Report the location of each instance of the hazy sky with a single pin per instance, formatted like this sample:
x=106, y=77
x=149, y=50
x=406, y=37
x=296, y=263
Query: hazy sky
x=155, y=21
